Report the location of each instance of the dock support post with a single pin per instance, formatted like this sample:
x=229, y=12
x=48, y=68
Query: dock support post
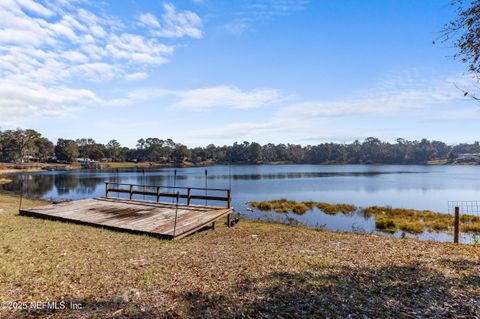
x=106, y=190
x=131, y=191
x=158, y=194
x=456, y=230
x=21, y=197
x=176, y=213
x=228, y=198
x=213, y=225
x=206, y=187
x=229, y=220
x=189, y=190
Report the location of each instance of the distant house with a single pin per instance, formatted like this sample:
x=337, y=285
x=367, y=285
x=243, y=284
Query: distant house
x=83, y=160
x=468, y=157
x=88, y=163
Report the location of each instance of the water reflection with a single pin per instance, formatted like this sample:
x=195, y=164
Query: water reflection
x=294, y=175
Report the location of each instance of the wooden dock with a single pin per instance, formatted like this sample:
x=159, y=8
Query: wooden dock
x=161, y=219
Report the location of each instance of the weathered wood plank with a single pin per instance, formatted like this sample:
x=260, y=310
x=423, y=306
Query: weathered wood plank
x=133, y=215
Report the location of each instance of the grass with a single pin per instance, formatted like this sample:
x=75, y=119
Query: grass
x=386, y=224
x=415, y=221
x=12, y=168
x=285, y=206
x=337, y=208
x=387, y=219
x=249, y=271
x=5, y=181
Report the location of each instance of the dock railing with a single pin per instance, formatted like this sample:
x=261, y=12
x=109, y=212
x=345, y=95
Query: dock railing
x=158, y=191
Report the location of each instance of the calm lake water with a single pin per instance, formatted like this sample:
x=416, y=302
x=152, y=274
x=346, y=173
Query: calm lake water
x=408, y=186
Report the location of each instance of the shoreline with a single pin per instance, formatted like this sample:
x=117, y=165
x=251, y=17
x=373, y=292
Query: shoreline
x=6, y=169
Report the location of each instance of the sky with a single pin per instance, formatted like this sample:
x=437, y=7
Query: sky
x=219, y=71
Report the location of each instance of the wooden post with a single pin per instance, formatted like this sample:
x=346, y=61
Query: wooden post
x=229, y=216
x=106, y=190
x=131, y=191
x=228, y=198
x=21, y=197
x=456, y=225
x=158, y=194
x=213, y=225
x=176, y=214
x=188, y=196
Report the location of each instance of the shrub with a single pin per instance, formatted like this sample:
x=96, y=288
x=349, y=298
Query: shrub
x=261, y=205
x=300, y=208
x=471, y=228
x=412, y=227
x=386, y=224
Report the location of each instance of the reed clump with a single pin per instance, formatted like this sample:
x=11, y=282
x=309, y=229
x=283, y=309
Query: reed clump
x=470, y=227
x=386, y=225
x=387, y=219
x=412, y=227
x=5, y=181
x=300, y=208
x=281, y=206
x=285, y=206
x=337, y=208
x=415, y=221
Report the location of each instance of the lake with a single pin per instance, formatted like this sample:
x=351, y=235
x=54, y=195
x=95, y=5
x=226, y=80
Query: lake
x=408, y=186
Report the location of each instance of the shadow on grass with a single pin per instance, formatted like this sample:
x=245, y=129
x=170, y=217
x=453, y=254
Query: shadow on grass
x=392, y=292
x=412, y=291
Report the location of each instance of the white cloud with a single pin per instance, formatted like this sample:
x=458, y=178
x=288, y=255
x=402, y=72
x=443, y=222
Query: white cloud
x=33, y=7
x=408, y=96
x=249, y=13
x=173, y=23
x=137, y=76
x=390, y=97
x=46, y=47
x=18, y=103
x=149, y=19
x=226, y=97
x=237, y=27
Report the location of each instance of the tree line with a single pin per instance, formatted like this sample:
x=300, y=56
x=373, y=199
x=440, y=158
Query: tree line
x=29, y=145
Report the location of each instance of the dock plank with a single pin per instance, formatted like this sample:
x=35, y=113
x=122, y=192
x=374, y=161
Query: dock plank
x=139, y=216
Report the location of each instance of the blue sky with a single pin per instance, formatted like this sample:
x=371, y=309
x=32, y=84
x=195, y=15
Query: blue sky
x=206, y=71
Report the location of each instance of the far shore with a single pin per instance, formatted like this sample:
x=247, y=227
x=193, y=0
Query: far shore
x=12, y=168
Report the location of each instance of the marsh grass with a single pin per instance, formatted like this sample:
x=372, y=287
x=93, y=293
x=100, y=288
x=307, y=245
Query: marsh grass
x=299, y=208
x=5, y=181
x=415, y=221
x=337, y=208
x=386, y=224
x=387, y=219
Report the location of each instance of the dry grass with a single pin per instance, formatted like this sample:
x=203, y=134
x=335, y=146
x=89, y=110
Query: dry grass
x=5, y=181
x=337, y=208
x=414, y=221
x=34, y=167
x=285, y=206
x=252, y=270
